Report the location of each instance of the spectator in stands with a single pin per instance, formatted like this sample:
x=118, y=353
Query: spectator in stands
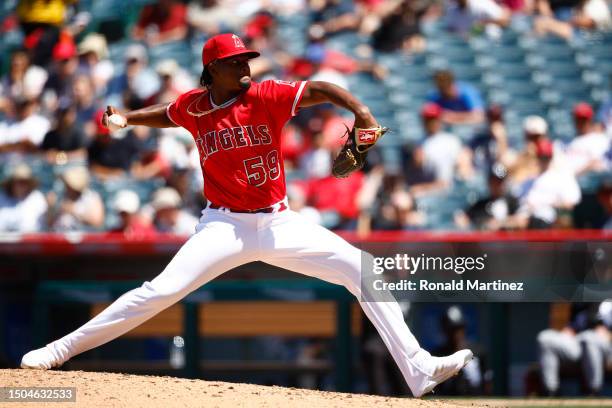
x=41, y=22
x=168, y=216
x=491, y=144
x=168, y=71
x=476, y=377
x=463, y=16
x=461, y=103
x=420, y=177
x=22, y=205
x=27, y=131
x=400, y=30
x=137, y=81
x=131, y=223
x=604, y=197
x=563, y=21
x=317, y=161
x=553, y=191
x=323, y=64
x=67, y=140
x=492, y=212
x=524, y=165
x=80, y=208
x=441, y=149
x=161, y=22
x=23, y=79
x=559, y=9
x=333, y=16
x=584, y=345
x=112, y=156
x=395, y=209
x=211, y=17
x=61, y=78
x=84, y=98
x=587, y=152
x=151, y=162
x=94, y=62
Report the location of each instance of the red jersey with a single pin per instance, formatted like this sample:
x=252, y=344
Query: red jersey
x=239, y=141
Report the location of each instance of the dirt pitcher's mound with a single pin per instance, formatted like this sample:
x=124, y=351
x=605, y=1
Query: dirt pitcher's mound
x=123, y=390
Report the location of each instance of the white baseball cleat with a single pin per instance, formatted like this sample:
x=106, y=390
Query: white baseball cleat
x=445, y=368
x=39, y=359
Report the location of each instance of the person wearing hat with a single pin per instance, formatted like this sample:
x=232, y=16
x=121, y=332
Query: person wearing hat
x=168, y=216
x=93, y=60
x=132, y=224
x=524, y=165
x=441, y=150
x=64, y=69
x=236, y=124
x=553, y=191
x=22, y=205
x=492, y=212
x=587, y=151
x=80, y=208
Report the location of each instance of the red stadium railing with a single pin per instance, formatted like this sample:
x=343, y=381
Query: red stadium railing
x=112, y=243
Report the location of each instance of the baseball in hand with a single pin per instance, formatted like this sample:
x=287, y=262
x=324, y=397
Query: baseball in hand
x=116, y=122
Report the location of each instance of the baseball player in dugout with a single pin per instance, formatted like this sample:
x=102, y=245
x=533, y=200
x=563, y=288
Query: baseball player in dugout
x=236, y=124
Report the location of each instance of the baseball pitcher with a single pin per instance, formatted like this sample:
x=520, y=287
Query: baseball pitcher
x=236, y=124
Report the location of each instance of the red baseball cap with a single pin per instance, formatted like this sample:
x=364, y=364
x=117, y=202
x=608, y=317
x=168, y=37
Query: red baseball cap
x=544, y=148
x=431, y=111
x=224, y=46
x=583, y=111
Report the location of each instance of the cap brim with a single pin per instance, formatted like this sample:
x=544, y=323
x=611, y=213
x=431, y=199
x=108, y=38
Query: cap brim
x=252, y=54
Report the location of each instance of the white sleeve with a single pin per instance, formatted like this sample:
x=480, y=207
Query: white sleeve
x=570, y=194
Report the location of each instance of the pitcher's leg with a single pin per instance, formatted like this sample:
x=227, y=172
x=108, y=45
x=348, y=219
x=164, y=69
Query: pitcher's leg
x=204, y=256
x=298, y=245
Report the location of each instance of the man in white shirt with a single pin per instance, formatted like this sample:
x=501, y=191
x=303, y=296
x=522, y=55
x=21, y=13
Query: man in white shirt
x=27, y=132
x=22, y=206
x=587, y=152
x=440, y=149
x=553, y=190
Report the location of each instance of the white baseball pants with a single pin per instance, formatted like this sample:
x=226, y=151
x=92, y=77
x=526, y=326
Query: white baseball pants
x=225, y=240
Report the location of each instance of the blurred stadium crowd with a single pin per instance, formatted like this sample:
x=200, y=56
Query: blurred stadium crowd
x=501, y=111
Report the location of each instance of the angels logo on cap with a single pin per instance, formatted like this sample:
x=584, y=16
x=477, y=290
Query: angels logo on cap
x=237, y=41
